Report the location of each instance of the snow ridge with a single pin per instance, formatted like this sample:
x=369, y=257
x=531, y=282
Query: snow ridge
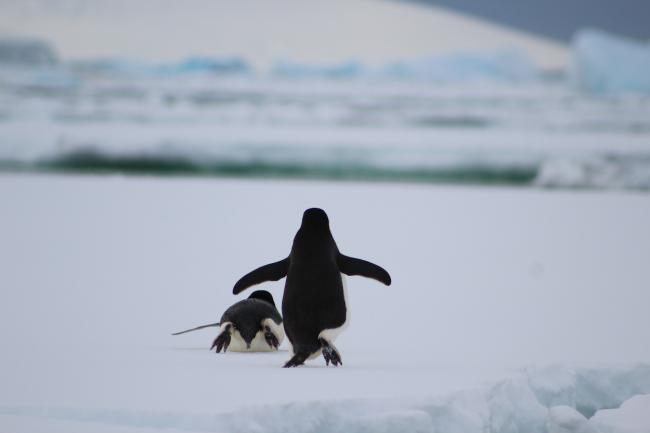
x=553, y=399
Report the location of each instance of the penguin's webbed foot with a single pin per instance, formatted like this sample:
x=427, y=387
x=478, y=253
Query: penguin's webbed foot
x=298, y=359
x=222, y=341
x=330, y=353
x=270, y=338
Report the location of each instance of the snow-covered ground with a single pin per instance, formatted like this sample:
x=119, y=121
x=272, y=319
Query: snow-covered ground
x=510, y=310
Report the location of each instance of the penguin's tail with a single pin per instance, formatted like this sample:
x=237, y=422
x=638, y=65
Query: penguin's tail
x=211, y=325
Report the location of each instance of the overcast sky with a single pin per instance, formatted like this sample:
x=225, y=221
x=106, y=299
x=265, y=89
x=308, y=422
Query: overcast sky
x=559, y=19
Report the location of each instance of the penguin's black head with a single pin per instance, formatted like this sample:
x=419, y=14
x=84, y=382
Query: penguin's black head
x=315, y=218
x=262, y=295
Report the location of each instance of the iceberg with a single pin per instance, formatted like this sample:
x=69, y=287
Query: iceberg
x=290, y=69
x=192, y=65
x=26, y=52
x=502, y=66
x=33, y=65
x=218, y=66
x=507, y=65
x=605, y=63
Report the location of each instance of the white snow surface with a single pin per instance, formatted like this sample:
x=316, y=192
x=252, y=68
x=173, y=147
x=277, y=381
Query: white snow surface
x=511, y=310
x=632, y=417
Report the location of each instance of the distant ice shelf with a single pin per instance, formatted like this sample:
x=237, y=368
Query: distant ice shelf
x=601, y=63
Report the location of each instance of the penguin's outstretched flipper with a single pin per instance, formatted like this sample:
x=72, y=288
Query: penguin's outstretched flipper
x=352, y=266
x=270, y=272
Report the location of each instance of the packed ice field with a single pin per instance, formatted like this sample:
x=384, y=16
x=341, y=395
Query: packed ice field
x=461, y=118
x=510, y=309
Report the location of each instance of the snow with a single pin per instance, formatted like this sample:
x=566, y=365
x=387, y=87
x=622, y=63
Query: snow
x=565, y=419
x=606, y=63
x=632, y=417
x=508, y=406
x=595, y=171
x=212, y=123
x=510, y=308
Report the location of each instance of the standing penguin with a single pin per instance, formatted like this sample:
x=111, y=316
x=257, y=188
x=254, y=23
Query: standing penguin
x=314, y=305
x=250, y=325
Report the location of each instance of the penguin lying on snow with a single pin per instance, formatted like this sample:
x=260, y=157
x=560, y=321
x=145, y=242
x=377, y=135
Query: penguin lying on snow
x=314, y=306
x=250, y=325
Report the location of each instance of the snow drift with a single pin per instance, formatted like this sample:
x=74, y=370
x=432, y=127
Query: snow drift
x=554, y=399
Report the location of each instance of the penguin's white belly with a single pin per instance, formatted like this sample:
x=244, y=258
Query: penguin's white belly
x=259, y=344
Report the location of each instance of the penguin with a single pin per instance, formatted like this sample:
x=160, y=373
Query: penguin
x=314, y=306
x=250, y=325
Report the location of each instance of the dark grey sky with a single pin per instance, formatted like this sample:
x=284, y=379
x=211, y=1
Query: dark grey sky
x=559, y=19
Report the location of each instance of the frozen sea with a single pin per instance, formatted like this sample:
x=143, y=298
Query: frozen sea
x=462, y=119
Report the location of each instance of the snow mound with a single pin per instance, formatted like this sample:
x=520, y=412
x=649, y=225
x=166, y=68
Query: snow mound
x=605, y=63
x=554, y=399
x=613, y=171
x=565, y=419
x=632, y=417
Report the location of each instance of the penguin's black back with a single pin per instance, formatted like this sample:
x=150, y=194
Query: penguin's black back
x=251, y=311
x=313, y=296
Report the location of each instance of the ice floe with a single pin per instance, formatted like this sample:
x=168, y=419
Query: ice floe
x=554, y=399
